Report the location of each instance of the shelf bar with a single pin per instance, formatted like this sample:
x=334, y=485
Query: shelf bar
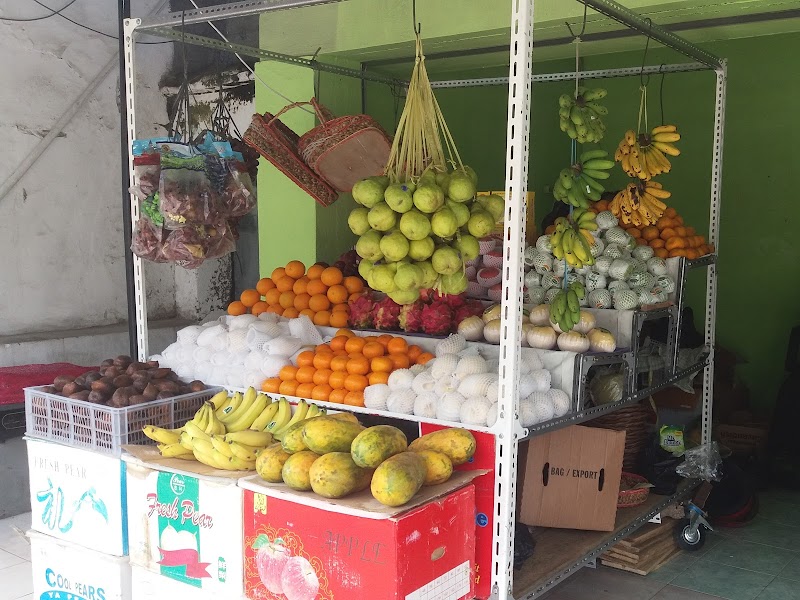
x=226, y=11
x=646, y=27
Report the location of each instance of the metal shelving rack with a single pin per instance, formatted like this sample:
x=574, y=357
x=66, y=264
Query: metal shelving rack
x=508, y=431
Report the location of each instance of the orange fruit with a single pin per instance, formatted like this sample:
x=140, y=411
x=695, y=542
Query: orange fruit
x=271, y=385
x=285, y=284
x=321, y=376
x=657, y=243
x=307, y=312
x=358, y=366
x=250, y=297
x=288, y=388
x=345, y=332
x=373, y=349
x=315, y=286
x=286, y=299
x=338, y=342
x=295, y=268
x=377, y=377
x=338, y=318
x=337, y=294
x=641, y=241
x=272, y=296
x=277, y=274
x=353, y=284
x=385, y=338
x=264, y=285
x=339, y=363
x=305, y=359
x=323, y=348
x=290, y=313
x=319, y=302
x=322, y=360
x=661, y=253
x=331, y=276
x=354, y=399
x=322, y=318
x=355, y=383
x=259, y=307
x=301, y=301
x=341, y=352
x=304, y=390
x=355, y=344
x=650, y=233
x=300, y=285
x=314, y=271
x=382, y=364
x=276, y=309
x=288, y=373
x=424, y=358
x=305, y=374
x=400, y=360
x=354, y=297
x=635, y=232
x=236, y=308
x=321, y=392
x=670, y=212
x=341, y=308
x=338, y=396
x=336, y=379
x=413, y=353
x=397, y=346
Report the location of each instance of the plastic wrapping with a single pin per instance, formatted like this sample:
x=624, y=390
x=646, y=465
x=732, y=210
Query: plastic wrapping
x=237, y=197
x=147, y=242
x=703, y=462
x=185, y=247
x=186, y=196
x=607, y=386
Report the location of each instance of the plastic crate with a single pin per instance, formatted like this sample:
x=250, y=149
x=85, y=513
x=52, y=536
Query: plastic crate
x=102, y=428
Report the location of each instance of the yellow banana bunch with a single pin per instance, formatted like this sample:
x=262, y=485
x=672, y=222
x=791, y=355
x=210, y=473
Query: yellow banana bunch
x=639, y=203
x=644, y=155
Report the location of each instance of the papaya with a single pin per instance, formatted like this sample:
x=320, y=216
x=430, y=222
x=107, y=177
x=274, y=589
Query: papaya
x=326, y=434
x=292, y=439
x=439, y=466
x=398, y=478
x=375, y=444
x=296, y=470
x=344, y=416
x=270, y=461
x=335, y=475
x=457, y=444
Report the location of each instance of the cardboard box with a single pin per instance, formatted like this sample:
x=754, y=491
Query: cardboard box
x=147, y=585
x=743, y=440
x=571, y=479
x=64, y=570
x=78, y=496
x=185, y=525
x=355, y=548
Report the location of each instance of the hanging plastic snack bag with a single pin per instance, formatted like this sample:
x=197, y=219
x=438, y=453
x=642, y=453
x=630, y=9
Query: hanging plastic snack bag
x=147, y=242
x=147, y=165
x=149, y=209
x=238, y=196
x=186, y=196
x=219, y=240
x=184, y=246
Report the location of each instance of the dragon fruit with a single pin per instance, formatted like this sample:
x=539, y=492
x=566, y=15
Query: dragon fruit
x=437, y=318
x=454, y=301
x=361, y=312
x=387, y=314
x=471, y=308
x=411, y=317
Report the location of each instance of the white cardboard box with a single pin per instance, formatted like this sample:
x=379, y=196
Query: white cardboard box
x=147, y=585
x=78, y=496
x=64, y=570
x=185, y=525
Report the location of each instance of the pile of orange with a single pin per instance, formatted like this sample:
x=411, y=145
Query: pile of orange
x=321, y=293
x=340, y=370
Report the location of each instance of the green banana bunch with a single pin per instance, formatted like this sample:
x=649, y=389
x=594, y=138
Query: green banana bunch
x=581, y=117
x=565, y=310
x=578, y=185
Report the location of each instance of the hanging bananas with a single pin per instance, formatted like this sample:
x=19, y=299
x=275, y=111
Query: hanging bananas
x=644, y=155
x=578, y=185
x=580, y=117
x=572, y=241
x=639, y=203
x=565, y=309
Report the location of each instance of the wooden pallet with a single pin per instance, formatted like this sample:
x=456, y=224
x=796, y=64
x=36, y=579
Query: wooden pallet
x=644, y=551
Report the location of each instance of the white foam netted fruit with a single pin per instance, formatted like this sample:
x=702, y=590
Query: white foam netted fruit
x=527, y=384
x=542, y=406
x=218, y=375
x=595, y=281
x=477, y=385
x=532, y=359
x=641, y=281
x=559, y=267
x=597, y=247
x=474, y=411
x=620, y=269
x=452, y=344
x=491, y=415
x=375, y=396
x=202, y=370
x=475, y=289
x=285, y=345
x=613, y=250
x=543, y=244
x=492, y=365
x=416, y=369
x=425, y=405
x=470, y=272
x=272, y=365
x=237, y=340
x=534, y=295
x=645, y=297
x=184, y=353
x=617, y=285
x=241, y=322
x=616, y=235
x=401, y=401
x=449, y=407
x=573, y=277
x=541, y=379
x=493, y=393
x=585, y=270
x=470, y=365
x=666, y=283
x=632, y=244
x=189, y=335
x=303, y=329
x=444, y=365
x=469, y=351
x=235, y=378
x=639, y=266
x=220, y=341
x=606, y=220
x=401, y=379
x=253, y=361
x=549, y=280
x=531, y=279
x=486, y=244
x=221, y=358
x=644, y=253
x=625, y=300
x=203, y=354
x=269, y=317
x=543, y=263
x=560, y=401
x=599, y=299
x=657, y=266
x=445, y=385
x=523, y=366
x=209, y=334
x=551, y=294
x=527, y=413
x=602, y=264
x=170, y=351
x=529, y=255
x=253, y=379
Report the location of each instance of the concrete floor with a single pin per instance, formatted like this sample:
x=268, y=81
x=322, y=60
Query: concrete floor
x=15, y=495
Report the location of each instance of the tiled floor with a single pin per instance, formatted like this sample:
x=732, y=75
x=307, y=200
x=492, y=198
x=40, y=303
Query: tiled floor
x=757, y=562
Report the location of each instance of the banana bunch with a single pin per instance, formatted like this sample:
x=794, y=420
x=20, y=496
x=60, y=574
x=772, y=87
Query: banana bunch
x=578, y=185
x=565, y=310
x=581, y=117
x=572, y=241
x=639, y=203
x=644, y=156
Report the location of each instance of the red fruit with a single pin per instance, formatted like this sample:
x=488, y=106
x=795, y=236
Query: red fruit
x=471, y=308
x=387, y=314
x=411, y=317
x=299, y=580
x=437, y=319
x=427, y=295
x=271, y=559
x=361, y=310
x=452, y=300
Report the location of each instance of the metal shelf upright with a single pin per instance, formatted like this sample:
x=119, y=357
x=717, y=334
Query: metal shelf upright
x=508, y=430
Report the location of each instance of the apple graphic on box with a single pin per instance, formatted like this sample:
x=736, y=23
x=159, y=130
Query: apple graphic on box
x=271, y=558
x=299, y=581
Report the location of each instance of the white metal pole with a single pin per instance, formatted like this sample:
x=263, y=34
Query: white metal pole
x=509, y=431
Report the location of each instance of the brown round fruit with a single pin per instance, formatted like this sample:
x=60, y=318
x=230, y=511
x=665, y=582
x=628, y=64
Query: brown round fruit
x=138, y=399
x=91, y=377
x=84, y=395
x=97, y=397
x=165, y=395
x=123, y=361
x=159, y=373
x=71, y=388
x=121, y=381
x=197, y=386
x=107, y=362
x=62, y=380
x=150, y=392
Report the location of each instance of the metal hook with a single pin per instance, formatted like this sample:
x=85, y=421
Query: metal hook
x=661, y=91
x=417, y=25
x=642, y=79
x=583, y=25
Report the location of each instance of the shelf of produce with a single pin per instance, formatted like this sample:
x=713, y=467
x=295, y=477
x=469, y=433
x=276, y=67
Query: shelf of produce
x=560, y=552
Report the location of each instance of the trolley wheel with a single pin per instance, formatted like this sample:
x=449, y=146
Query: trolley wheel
x=684, y=537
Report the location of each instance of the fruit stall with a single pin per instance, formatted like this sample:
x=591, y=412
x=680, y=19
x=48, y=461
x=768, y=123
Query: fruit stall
x=301, y=445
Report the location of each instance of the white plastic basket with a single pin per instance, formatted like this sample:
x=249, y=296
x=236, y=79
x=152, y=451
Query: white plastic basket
x=103, y=428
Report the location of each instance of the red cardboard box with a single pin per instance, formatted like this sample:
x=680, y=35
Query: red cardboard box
x=298, y=546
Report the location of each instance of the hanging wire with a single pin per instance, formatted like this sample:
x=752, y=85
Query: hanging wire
x=661, y=93
x=577, y=41
x=415, y=24
x=645, y=79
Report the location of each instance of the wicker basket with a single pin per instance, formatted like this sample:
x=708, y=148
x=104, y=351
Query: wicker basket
x=629, y=497
x=634, y=421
